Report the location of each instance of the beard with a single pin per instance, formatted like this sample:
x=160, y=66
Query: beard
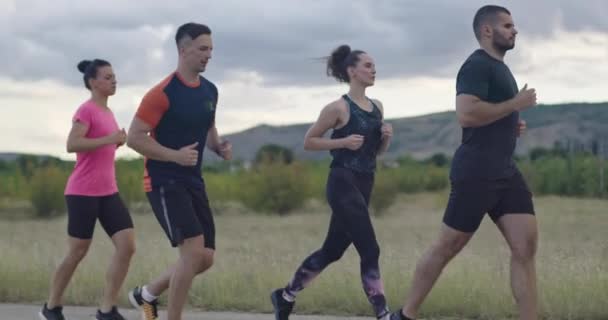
x=503, y=44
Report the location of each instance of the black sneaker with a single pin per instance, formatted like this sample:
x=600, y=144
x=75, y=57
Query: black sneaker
x=51, y=314
x=112, y=315
x=149, y=310
x=397, y=316
x=385, y=316
x=282, y=307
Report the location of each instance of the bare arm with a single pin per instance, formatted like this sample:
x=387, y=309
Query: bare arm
x=328, y=119
x=139, y=140
x=473, y=112
x=213, y=140
x=215, y=144
x=387, y=130
x=78, y=142
x=386, y=142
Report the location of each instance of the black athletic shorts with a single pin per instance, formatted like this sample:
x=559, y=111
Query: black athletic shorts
x=471, y=199
x=83, y=212
x=183, y=212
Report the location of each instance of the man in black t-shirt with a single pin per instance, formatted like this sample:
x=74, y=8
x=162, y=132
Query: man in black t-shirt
x=483, y=176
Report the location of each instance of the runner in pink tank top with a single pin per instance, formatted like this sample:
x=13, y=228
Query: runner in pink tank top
x=91, y=194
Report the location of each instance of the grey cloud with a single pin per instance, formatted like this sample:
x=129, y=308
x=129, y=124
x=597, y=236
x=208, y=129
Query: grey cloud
x=278, y=39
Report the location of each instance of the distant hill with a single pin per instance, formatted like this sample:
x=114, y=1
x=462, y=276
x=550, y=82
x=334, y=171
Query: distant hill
x=12, y=156
x=423, y=136
x=9, y=156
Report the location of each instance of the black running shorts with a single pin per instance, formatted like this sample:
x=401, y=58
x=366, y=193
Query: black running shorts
x=471, y=199
x=83, y=212
x=183, y=212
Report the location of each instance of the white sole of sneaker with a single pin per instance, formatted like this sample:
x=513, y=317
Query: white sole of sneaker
x=133, y=301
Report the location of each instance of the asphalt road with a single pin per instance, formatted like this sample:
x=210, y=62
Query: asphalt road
x=30, y=312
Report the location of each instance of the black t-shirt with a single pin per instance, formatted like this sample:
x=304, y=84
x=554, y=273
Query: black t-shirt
x=179, y=114
x=486, y=152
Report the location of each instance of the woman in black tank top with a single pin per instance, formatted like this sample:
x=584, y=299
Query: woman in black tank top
x=359, y=135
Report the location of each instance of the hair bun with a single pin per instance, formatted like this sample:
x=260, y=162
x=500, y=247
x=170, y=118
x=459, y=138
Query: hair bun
x=82, y=65
x=340, y=54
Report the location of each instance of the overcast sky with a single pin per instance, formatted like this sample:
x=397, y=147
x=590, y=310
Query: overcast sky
x=265, y=60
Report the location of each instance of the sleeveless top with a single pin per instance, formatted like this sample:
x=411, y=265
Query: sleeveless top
x=367, y=124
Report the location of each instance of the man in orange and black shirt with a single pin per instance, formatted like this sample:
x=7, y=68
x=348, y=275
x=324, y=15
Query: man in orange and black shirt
x=174, y=123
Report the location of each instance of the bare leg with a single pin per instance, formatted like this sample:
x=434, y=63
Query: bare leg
x=521, y=233
x=160, y=284
x=124, y=243
x=430, y=266
x=194, y=258
x=77, y=249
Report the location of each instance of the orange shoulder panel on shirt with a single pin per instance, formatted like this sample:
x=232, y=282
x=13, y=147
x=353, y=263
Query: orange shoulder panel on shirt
x=154, y=104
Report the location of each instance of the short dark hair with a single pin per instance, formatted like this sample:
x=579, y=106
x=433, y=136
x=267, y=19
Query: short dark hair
x=191, y=30
x=89, y=69
x=340, y=59
x=484, y=14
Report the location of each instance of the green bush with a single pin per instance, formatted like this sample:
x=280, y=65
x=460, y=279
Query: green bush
x=384, y=193
x=412, y=178
x=273, y=153
x=222, y=189
x=317, y=173
x=130, y=181
x=46, y=191
x=276, y=188
x=131, y=186
x=13, y=186
x=576, y=175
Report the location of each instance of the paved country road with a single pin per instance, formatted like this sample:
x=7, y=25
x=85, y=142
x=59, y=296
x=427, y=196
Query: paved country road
x=30, y=312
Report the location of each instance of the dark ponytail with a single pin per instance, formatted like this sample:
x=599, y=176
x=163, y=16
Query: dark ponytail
x=89, y=69
x=339, y=61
